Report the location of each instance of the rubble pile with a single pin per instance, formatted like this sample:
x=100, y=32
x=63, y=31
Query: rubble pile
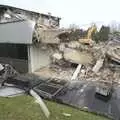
x=97, y=60
x=115, y=37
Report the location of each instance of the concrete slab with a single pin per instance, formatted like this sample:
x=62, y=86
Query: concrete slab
x=10, y=92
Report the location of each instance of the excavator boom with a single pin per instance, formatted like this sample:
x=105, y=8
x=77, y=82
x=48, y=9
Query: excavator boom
x=91, y=31
x=88, y=39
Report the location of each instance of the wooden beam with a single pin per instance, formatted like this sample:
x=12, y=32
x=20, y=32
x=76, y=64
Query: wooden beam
x=75, y=74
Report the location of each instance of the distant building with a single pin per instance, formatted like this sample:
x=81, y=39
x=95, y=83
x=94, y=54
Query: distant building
x=17, y=27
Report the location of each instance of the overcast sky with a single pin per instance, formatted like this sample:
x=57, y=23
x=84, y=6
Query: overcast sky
x=78, y=12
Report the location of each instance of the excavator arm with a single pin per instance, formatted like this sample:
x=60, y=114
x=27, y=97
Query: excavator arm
x=88, y=39
x=91, y=30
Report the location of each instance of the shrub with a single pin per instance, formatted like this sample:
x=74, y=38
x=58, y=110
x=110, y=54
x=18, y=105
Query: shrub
x=102, y=35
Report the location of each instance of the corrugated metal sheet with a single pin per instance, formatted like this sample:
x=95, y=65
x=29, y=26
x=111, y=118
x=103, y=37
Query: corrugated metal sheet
x=20, y=32
x=18, y=6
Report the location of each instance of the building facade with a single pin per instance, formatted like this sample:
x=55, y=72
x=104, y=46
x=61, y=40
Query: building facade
x=17, y=43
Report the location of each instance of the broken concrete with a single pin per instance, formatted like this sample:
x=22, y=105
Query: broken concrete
x=98, y=65
x=55, y=72
x=77, y=57
x=57, y=56
x=74, y=44
x=75, y=74
x=114, y=53
x=49, y=36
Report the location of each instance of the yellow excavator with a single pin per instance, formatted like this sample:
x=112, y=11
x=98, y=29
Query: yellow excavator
x=88, y=40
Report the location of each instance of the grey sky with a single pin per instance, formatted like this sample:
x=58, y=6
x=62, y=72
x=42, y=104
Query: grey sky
x=78, y=12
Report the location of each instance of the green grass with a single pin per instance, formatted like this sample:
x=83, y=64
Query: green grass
x=25, y=108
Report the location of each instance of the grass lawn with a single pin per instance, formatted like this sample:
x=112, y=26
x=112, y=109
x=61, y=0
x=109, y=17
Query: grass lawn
x=25, y=108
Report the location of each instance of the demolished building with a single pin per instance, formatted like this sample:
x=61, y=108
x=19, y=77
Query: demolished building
x=52, y=52
x=19, y=42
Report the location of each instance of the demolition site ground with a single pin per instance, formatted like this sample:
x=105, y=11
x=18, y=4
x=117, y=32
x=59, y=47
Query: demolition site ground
x=75, y=67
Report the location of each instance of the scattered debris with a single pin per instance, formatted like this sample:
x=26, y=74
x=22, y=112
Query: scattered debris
x=18, y=81
x=114, y=53
x=67, y=114
x=74, y=44
x=49, y=89
x=1, y=67
x=98, y=65
x=57, y=56
x=75, y=74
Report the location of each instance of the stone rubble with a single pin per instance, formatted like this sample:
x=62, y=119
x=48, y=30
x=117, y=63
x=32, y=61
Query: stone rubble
x=72, y=53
